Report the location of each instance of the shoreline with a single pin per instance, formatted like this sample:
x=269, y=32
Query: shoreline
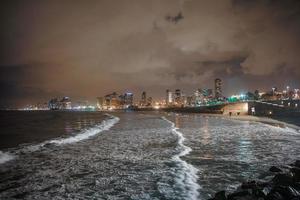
x=265, y=120
x=250, y=118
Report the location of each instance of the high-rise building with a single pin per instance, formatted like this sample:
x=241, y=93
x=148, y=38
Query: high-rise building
x=53, y=104
x=197, y=98
x=177, y=93
x=149, y=101
x=169, y=97
x=111, y=101
x=143, y=101
x=128, y=99
x=208, y=93
x=65, y=103
x=178, y=97
x=218, y=88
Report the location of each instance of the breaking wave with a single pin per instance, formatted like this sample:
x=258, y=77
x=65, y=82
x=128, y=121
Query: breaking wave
x=186, y=177
x=5, y=157
x=86, y=134
x=104, y=126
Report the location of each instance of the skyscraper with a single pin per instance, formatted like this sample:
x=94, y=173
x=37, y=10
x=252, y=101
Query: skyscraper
x=218, y=88
x=178, y=97
x=169, y=97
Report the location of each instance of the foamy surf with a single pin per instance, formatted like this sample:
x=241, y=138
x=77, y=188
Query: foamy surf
x=104, y=126
x=5, y=157
x=86, y=134
x=186, y=177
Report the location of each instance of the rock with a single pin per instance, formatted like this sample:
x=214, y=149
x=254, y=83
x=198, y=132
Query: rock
x=297, y=163
x=263, y=184
x=285, y=185
x=293, y=192
x=249, y=185
x=254, y=188
x=220, y=196
x=296, y=174
x=275, y=169
x=266, y=190
x=282, y=179
x=239, y=195
x=287, y=192
x=274, y=196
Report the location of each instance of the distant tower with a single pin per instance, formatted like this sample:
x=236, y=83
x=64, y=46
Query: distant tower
x=169, y=97
x=218, y=88
x=144, y=99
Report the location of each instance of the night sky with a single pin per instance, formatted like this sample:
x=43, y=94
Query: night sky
x=84, y=49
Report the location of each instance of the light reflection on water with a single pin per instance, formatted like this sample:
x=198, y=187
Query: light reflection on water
x=227, y=152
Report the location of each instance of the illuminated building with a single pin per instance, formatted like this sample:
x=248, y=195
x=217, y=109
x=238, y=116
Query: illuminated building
x=111, y=101
x=218, y=88
x=65, y=103
x=178, y=97
x=169, y=97
x=149, y=101
x=198, y=97
x=207, y=93
x=53, y=104
x=128, y=99
x=100, y=103
x=189, y=101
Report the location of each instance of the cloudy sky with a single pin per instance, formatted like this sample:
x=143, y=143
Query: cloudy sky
x=85, y=49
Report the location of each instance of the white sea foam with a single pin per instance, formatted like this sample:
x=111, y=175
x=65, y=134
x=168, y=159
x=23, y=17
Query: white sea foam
x=5, y=157
x=86, y=134
x=105, y=125
x=186, y=177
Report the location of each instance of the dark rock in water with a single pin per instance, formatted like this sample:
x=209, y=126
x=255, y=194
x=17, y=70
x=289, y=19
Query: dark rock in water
x=275, y=169
x=282, y=179
x=220, y=196
x=285, y=185
x=296, y=174
x=297, y=163
x=293, y=192
x=286, y=191
x=274, y=196
x=266, y=190
x=239, y=195
x=249, y=185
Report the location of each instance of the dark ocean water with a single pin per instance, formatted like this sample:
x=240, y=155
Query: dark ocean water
x=19, y=127
x=131, y=155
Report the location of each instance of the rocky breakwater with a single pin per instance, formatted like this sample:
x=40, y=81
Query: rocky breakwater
x=285, y=185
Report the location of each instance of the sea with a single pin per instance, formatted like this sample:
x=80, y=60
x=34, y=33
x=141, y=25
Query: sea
x=135, y=155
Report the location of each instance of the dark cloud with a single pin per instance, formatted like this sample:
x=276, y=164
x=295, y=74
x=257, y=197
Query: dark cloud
x=86, y=49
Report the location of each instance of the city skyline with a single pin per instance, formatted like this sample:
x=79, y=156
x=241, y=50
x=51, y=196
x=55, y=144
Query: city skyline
x=84, y=50
x=201, y=97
